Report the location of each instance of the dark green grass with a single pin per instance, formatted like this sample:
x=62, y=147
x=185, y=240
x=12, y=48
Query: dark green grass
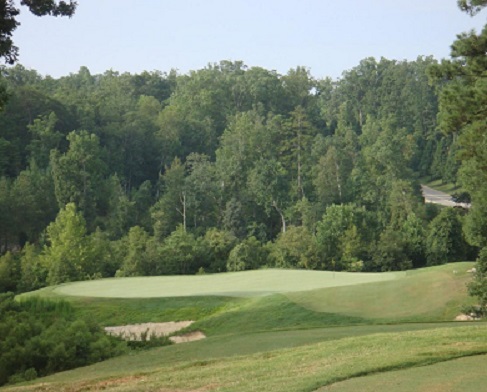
x=119, y=311
x=270, y=313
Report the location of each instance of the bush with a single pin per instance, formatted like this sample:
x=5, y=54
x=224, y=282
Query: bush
x=39, y=337
x=478, y=286
x=215, y=248
x=296, y=247
x=249, y=254
x=445, y=241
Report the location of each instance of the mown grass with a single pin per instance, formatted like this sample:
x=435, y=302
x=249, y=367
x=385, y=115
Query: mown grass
x=304, y=368
x=235, y=284
x=459, y=375
x=428, y=294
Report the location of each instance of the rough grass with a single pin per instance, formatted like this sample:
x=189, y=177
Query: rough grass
x=305, y=368
x=235, y=284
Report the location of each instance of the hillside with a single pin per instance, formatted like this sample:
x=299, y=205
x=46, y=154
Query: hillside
x=255, y=339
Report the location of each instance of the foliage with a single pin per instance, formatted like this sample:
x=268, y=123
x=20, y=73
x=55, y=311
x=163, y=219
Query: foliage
x=179, y=173
x=445, y=241
x=295, y=248
x=135, y=254
x=78, y=174
x=8, y=23
x=9, y=272
x=216, y=246
x=40, y=337
x=33, y=269
x=180, y=253
x=248, y=254
x=339, y=236
x=478, y=286
x=70, y=254
x=462, y=114
x=471, y=6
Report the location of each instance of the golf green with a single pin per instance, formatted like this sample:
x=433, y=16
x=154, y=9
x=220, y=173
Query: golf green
x=235, y=284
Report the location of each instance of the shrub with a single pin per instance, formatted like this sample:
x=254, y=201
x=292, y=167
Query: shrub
x=39, y=337
x=249, y=254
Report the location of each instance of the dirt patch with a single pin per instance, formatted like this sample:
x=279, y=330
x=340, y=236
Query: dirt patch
x=147, y=330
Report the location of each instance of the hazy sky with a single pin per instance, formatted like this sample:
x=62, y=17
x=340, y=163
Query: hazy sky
x=328, y=36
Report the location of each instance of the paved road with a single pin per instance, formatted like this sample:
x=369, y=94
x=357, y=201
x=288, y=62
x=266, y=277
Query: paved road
x=437, y=197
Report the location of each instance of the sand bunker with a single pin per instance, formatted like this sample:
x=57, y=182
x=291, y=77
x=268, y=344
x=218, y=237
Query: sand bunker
x=466, y=317
x=188, y=337
x=148, y=330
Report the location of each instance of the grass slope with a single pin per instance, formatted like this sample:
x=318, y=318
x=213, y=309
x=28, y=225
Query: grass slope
x=305, y=368
x=435, y=293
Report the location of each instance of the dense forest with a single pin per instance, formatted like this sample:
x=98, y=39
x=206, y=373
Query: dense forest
x=225, y=168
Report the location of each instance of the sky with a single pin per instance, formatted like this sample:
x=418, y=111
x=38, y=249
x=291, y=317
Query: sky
x=327, y=36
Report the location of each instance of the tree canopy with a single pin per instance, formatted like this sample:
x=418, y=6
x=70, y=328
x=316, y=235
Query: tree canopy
x=9, y=22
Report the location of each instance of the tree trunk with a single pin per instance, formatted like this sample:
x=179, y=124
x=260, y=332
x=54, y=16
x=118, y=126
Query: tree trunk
x=283, y=219
x=339, y=185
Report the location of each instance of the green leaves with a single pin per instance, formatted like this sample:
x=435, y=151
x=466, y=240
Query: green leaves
x=472, y=6
x=70, y=255
x=78, y=173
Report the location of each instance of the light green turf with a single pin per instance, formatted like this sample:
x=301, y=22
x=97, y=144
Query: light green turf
x=435, y=293
x=304, y=368
x=459, y=375
x=236, y=284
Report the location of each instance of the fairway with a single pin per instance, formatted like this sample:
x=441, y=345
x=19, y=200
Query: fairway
x=235, y=284
x=459, y=375
x=304, y=368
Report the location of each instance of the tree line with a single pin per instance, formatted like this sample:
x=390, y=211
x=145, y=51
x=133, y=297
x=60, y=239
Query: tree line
x=224, y=168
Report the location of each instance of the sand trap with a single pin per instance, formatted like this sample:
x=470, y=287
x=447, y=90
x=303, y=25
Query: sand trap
x=188, y=337
x=137, y=331
x=466, y=317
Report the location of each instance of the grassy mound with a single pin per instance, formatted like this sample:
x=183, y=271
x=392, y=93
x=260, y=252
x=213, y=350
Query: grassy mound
x=435, y=293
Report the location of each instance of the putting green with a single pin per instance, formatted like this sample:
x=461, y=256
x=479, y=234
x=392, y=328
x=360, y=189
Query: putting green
x=234, y=284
